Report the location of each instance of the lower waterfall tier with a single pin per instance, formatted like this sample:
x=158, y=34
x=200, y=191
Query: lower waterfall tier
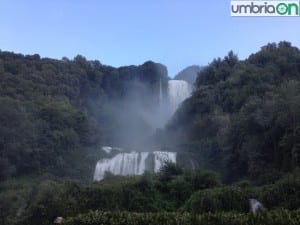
x=133, y=163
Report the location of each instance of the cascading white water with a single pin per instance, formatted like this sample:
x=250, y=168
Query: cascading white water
x=136, y=163
x=161, y=157
x=133, y=163
x=178, y=91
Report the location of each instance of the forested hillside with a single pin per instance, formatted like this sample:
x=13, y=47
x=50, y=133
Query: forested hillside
x=243, y=119
x=52, y=116
x=240, y=131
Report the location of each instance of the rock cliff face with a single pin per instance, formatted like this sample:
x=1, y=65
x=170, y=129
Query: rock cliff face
x=189, y=74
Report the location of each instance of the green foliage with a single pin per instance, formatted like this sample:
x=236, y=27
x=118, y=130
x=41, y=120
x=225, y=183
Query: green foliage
x=285, y=193
x=42, y=125
x=241, y=121
x=202, y=179
x=169, y=170
x=279, y=217
x=38, y=201
x=13, y=200
x=220, y=199
x=52, y=116
x=47, y=197
x=243, y=118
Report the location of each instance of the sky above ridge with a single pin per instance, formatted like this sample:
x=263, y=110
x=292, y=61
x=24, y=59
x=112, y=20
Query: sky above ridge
x=175, y=33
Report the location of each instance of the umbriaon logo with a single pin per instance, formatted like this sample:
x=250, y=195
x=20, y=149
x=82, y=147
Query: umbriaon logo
x=265, y=8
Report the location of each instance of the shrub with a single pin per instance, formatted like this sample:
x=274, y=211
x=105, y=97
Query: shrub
x=229, y=198
x=285, y=193
x=278, y=217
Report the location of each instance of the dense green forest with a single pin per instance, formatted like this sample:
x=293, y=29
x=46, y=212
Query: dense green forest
x=241, y=128
x=51, y=111
x=243, y=119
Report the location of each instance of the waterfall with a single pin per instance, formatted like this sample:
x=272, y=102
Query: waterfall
x=133, y=163
x=136, y=163
x=161, y=157
x=160, y=93
x=178, y=91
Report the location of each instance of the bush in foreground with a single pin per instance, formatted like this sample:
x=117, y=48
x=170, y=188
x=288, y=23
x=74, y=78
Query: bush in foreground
x=276, y=217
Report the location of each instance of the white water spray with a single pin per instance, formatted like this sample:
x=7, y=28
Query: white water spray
x=136, y=163
x=133, y=163
x=178, y=91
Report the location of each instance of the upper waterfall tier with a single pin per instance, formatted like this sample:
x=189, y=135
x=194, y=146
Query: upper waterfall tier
x=178, y=91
